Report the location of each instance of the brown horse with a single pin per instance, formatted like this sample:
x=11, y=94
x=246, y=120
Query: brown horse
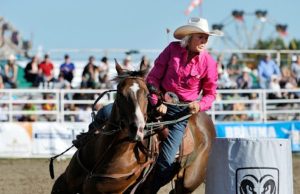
x=112, y=161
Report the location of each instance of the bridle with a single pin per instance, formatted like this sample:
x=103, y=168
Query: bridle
x=116, y=126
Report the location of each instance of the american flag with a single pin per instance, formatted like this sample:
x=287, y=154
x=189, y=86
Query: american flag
x=193, y=4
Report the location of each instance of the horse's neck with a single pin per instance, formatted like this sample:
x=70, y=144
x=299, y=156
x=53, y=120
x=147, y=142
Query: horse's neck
x=113, y=126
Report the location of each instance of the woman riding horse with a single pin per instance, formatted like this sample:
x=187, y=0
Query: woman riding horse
x=184, y=68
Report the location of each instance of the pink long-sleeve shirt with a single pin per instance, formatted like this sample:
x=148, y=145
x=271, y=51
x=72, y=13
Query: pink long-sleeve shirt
x=172, y=73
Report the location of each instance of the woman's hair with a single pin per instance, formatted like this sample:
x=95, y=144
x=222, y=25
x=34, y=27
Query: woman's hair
x=185, y=41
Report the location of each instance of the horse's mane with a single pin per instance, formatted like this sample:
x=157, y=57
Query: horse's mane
x=126, y=73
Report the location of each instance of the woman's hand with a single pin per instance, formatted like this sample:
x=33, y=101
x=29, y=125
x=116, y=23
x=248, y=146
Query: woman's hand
x=194, y=107
x=162, y=109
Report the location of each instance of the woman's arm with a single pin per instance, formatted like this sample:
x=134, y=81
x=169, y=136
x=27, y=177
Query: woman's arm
x=209, y=86
x=158, y=71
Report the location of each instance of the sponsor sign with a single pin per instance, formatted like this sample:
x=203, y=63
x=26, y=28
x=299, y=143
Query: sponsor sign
x=50, y=139
x=38, y=139
x=257, y=180
x=286, y=130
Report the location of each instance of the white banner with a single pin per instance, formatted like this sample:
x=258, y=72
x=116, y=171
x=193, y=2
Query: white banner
x=15, y=140
x=38, y=139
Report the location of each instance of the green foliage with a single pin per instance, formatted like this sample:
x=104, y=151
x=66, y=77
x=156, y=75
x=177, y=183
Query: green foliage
x=271, y=44
x=294, y=44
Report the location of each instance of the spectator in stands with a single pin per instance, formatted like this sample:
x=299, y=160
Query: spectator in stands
x=287, y=81
x=255, y=79
x=90, y=74
x=46, y=70
x=103, y=68
x=266, y=68
x=71, y=117
x=296, y=70
x=62, y=83
x=244, y=81
x=274, y=85
x=127, y=63
x=104, y=73
x=238, y=107
x=105, y=82
x=67, y=69
x=28, y=117
x=220, y=63
x=234, y=67
x=10, y=73
x=224, y=82
x=32, y=71
x=49, y=106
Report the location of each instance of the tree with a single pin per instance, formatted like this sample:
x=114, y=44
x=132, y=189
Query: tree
x=294, y=44
x=275, y=44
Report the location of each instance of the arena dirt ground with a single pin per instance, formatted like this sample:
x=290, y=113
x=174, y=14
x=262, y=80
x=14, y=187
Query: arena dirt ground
x=31, y=176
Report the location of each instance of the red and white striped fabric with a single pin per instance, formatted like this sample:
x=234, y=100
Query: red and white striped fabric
x=193, y=4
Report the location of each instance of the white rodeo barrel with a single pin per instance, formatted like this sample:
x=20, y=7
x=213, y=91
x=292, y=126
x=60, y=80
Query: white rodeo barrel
x=250, y=166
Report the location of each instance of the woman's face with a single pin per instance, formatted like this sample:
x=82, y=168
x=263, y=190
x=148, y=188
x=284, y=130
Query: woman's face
x=198, y=42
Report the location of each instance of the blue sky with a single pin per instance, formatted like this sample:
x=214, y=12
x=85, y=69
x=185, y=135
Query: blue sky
x=132, y=24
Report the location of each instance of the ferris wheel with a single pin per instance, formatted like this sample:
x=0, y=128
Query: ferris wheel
x=242, y=30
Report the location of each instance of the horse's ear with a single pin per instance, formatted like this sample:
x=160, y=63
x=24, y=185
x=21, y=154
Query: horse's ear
x=118, y=67
x=143, y=68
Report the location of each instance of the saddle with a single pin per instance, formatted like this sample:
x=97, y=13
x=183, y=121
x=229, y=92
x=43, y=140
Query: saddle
x=188, y=143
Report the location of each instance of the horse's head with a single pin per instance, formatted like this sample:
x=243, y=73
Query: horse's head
x=132, y=101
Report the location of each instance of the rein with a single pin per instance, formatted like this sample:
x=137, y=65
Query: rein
x=93, y=114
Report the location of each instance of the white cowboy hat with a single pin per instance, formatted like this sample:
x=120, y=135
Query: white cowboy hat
x=246, y=69
x=11, y=57
x=195, y=25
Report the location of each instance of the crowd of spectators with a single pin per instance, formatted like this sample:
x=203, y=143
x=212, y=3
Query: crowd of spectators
x=235, y=74
x=41, y=74
x=265, y=74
